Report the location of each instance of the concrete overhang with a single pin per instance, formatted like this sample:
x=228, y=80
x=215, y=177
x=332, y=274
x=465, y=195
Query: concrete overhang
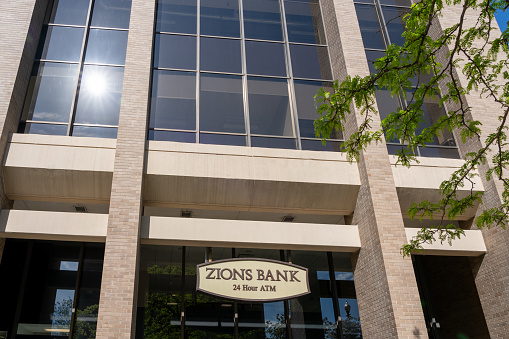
x=58, y=168
x=422, y=180
x=471, y=244
x=249, y=234
x=53, y=225
x=249, y=178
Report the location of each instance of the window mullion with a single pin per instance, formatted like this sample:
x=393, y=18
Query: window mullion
x=80, y=68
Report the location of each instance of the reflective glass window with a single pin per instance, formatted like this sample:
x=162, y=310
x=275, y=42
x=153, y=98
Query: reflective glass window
x=405, y=3
x=175, y=51
x=52, y=86
x=172, y=136
x=220, y=18
x=100, y=93
x=262, y=20
x=69, y=12
x=304, y=22
x=106, y=47
x=317, y=145
x=372, y=56
x=268, y=142
x=207, y=316
x=306, y=110
x=395, y=24
x=432, y=112
x=111, y=13
x=265, y=58
x=61, y=43
x=176, y=16
x=96, y=132
x=173, y=100
x=45, y=129
x=220, y=55
x=370, y=28
x=221, y=103
x=269, y=108
x=310, y=62
x=386, y=105
x=222, y=139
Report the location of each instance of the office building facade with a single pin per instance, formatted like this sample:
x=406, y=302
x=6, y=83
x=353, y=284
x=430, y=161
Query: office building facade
x=142, y=138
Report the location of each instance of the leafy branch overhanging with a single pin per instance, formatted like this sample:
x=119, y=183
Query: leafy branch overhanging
x=425, y=68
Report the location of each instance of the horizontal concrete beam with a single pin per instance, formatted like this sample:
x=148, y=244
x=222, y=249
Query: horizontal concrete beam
x=469, y=245
x=421, y=181
x=249, y=179
x=58, y=168
x=249, y=234
x=53, y=225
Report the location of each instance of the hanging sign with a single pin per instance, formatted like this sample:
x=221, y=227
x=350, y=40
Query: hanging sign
x=252, y=279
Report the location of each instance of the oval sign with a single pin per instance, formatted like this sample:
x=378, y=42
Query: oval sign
x=252, y=279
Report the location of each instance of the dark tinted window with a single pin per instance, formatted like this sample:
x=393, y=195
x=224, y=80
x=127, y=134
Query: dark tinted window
x=310, y=62
x=220, y=18
x=265, y=58
x=220, y=55
x=304, y=95
x=269, y=109
x=395, y=23
x=173, y=100
x=372, y=56
x=370, y=28
x=304, y=22
x=221, y=103
x=222, y=139
x=172, y=136
x=175, y=51
x=262, y=20
x=177, y=16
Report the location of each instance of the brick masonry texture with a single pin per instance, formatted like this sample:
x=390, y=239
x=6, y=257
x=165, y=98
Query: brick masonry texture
x=387, y=293
x=117, y=304
x=491, y=272
x=21, y=23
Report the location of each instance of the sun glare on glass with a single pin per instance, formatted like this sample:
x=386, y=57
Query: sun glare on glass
x=95, y=83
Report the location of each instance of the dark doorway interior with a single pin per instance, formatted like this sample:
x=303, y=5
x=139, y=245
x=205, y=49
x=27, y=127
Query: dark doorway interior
x=449, y=298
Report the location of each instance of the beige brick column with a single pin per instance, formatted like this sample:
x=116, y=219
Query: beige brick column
x=491, y=272
x=389, y=303
x=21, y=23
x=117, y=306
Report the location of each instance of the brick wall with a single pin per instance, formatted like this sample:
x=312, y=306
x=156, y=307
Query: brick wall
x=117, y=304
x=21, y=23
x=389, y=303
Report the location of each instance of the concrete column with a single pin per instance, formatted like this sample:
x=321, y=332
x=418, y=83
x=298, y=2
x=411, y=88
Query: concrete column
x=491, y=272
x=389, y=303
x=21, y=23
x=117, y=305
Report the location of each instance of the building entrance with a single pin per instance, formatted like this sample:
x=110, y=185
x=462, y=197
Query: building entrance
x=170, y=307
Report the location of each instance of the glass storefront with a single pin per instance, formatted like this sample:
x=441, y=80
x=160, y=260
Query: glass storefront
x=50, y=289
x=170, y=307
